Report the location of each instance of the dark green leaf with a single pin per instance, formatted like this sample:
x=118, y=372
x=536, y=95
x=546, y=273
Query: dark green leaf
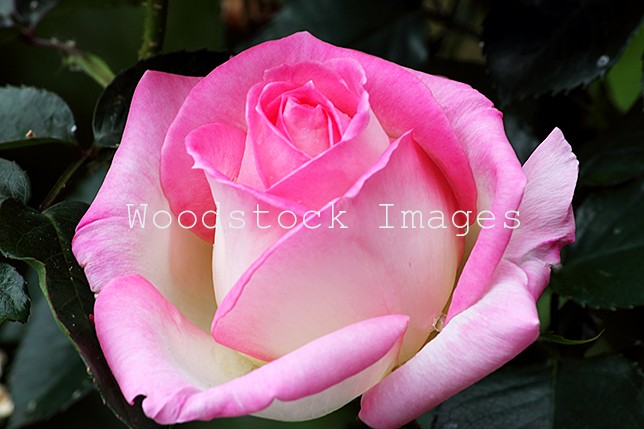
x=534, y=47
x=113, y=106
x=617, y=156
x=14, y=298
x=44, y=241
x=506, y=399
x=88, y=413
x=603, y=267
x=599, y=393
x=520, y=135
x=393, y=30
x=32, y=116
x=14, y=182
x=593, y=393
x=47, y=375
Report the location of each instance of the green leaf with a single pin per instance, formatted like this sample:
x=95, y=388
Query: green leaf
x=14, y=182
x=31, y=116
x=617, y=156
x=47, y=375
x=90, y=64
x=624, y=79
x=396, y=31
x=603, y=267
x=520, y=134
x=593, y=393
x=44, y=241
x=112, y=108
x=535, y=47
x=14, y=298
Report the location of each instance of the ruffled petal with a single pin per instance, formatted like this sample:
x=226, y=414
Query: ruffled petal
x=476, y=342
x=118, y=236
x=547, y=221
x=185, y=375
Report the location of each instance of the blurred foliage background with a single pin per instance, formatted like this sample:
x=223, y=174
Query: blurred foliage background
x=71, y=65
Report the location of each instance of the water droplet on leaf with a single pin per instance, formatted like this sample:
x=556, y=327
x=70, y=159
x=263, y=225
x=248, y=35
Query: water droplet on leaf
x=603, y=61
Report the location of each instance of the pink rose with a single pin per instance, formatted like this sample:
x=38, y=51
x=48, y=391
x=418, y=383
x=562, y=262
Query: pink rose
x=314, y=291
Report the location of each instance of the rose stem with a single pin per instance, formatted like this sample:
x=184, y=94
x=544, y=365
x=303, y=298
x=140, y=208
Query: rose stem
x=156, y=12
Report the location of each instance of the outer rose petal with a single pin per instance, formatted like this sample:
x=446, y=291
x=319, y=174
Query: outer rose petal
x=547, y=222
x=107, y=247
x=185, y=375
x=315, y=281
x=476, y=342
x=498, y=175
x=503, y=322
x=397, y=98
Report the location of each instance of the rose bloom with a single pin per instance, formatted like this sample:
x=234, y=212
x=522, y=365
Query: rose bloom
x=293, y=323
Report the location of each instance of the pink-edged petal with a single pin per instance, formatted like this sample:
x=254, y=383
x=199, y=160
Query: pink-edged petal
x=248, y=221
x=185, y=375
x=547, y=221
x=332, y=276
x=307, y=127
x=398, y=99
x=110, y=241
x=275, y=155
x=222, y=144
x=476, y=342
x=498, y=175
x=333, y=172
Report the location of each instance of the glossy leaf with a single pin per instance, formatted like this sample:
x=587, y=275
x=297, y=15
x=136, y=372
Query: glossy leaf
x=14, y=298
x=113, y=105
x=534, y=47
x=392, y=30
x=47, y=375
x=603, y=267
x=44, y=241
x=618, y=155
x=31, y=116
x=591, y=394
x=14, y=182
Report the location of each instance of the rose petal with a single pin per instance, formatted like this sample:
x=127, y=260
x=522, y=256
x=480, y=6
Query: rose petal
x=476, y=342
x=333, y=277
x=275, y=155
x=498, y=175
x=184, y=375
x=222, y=144
x=248, y=221
x=332, y=173
x=547, y=221
x=107, y=246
